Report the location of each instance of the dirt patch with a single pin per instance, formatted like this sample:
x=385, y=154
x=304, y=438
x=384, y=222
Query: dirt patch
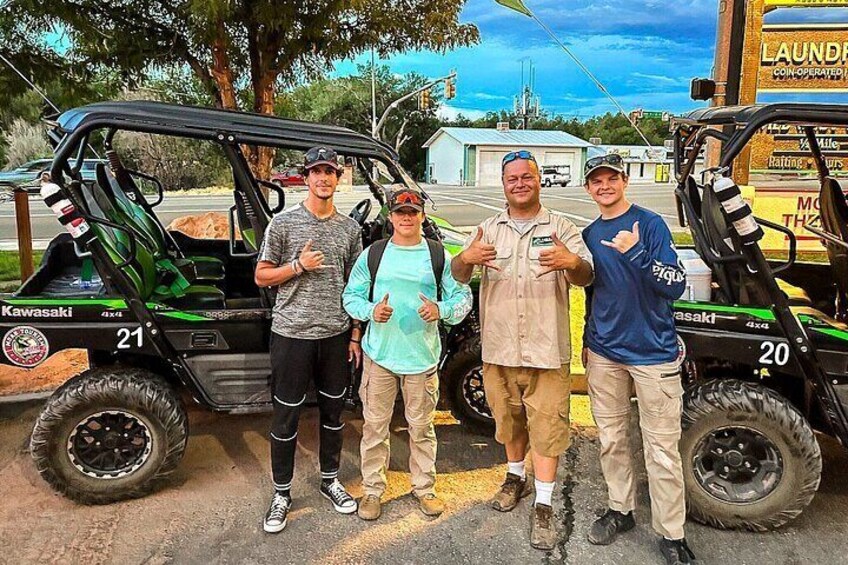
x=211, y=225
x=47, y=376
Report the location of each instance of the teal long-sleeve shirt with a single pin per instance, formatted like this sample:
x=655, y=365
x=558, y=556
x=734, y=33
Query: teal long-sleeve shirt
x=406, y=344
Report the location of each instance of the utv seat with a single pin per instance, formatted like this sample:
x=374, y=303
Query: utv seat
x=208, y=269
x=155, y=279
x=736, y=284
x=834, y=219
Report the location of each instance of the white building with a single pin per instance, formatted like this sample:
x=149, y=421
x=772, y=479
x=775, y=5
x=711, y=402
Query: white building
x=472, y=156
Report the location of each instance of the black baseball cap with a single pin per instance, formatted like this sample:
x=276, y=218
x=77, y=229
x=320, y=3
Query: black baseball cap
x=321, y=155
x=406, y=198
x=609, y=161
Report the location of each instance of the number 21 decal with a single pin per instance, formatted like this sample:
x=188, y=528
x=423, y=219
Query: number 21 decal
x=774, y=353
x=124, y=335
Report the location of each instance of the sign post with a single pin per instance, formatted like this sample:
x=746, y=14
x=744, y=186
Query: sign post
x=24, y=225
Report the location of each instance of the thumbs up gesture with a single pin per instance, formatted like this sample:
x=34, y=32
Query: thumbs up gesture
x=557, y=258
x=429, y=310
x=479, y=253
x=624, y=240
x=311, y=260
x=382, y=311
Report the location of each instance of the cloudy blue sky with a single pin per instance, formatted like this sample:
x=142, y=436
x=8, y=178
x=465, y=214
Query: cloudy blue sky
x=644, y=51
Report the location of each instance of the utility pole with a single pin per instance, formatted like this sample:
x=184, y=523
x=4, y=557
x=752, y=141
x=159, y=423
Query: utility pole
x=527, y=105
x=373, y=96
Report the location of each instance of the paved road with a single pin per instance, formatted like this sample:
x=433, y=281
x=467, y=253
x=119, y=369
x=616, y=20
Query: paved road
x=210, y=509
x=462, y=206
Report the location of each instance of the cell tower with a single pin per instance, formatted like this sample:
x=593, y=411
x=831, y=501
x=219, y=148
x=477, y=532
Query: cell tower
x=527, y=105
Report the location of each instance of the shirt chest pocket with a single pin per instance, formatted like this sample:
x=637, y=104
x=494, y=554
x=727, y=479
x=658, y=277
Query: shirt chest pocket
x=503, y=261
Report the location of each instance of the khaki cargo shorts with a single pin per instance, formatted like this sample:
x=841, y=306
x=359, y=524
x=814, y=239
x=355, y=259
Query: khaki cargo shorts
x=536, y=401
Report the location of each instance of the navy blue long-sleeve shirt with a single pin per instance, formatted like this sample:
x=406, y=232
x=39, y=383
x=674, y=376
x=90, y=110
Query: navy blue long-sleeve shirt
x=631, y=319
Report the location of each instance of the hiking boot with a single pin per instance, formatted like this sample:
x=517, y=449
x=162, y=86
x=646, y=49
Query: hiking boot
x=275, y=518
x=612, y=523
x=542, y=529
x=513, y=489
x=676, y=552
x=370, y=507
x=338, y=496
x=431, y=505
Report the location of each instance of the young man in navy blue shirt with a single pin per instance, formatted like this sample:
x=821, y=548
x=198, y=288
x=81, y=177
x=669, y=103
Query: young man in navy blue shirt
x=630, y=340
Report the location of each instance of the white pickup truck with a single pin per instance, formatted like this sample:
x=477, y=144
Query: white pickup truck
x=556, y=175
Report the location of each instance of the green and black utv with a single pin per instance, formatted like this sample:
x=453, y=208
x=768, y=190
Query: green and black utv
x=766, y=359
x=165, y=316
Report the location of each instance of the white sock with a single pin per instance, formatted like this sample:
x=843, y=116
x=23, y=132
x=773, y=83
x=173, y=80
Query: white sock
x=544, y=492
x=516, y=468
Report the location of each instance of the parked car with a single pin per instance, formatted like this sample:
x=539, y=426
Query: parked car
x=556, y=175
x=28, y=173
x=290, y=176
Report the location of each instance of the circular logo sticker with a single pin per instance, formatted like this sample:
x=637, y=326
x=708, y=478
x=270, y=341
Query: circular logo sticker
x=25, y=346
x=681, y=351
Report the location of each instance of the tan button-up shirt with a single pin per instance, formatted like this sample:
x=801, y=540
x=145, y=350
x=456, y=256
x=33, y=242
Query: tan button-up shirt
x=525, y=317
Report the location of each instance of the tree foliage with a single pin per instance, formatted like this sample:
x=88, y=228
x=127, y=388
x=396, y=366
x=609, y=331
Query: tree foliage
x=24, y=142
x=613, y=129
x=346, y=101
x=240, y=51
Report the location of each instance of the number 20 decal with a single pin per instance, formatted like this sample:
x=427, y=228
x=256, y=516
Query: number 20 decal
x=124, y=334
x=773, y=353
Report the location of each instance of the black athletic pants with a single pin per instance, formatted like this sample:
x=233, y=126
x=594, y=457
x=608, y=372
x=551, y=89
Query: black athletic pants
x=294, y=364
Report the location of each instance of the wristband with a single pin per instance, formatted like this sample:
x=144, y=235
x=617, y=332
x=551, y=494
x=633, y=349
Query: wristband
x=355, y=340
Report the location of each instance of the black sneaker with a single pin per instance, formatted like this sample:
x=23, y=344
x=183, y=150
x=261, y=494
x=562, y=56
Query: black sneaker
x=612, y=523
x=336, y=493
x=275, y=518
x=676, y=552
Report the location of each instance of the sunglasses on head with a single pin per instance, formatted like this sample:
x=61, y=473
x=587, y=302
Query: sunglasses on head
x=408, y=198
x=613, y=159
x=513, y=155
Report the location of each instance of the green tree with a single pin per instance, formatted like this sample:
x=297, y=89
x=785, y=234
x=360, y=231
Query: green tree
x=241, y=51
x=346, y=101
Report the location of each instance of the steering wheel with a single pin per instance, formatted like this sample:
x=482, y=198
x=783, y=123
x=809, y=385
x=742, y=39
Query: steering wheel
x=360, y=211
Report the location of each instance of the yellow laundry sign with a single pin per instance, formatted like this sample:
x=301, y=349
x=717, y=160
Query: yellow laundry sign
x=810, y=57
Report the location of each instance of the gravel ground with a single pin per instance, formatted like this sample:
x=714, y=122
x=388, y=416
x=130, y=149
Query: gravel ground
x=210, y=510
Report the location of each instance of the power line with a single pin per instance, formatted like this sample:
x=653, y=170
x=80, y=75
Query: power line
x=523, y=9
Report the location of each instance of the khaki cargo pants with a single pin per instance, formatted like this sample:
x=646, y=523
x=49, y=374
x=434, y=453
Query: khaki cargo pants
x=378, y=392
x=659, y=392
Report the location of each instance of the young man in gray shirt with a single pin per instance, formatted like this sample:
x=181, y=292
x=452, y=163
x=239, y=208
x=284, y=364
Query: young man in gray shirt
x=307, y=253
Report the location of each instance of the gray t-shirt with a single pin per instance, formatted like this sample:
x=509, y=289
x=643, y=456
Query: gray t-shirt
x=310, y=306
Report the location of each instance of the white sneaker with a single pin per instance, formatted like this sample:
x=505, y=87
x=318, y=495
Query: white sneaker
x=275, y=518
x=336, y=493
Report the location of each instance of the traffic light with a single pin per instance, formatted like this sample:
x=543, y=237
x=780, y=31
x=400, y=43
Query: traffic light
x=424, y=100
x=450, y=89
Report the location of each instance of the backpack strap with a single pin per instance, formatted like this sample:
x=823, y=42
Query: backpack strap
x=375, y=255
x=437, y=260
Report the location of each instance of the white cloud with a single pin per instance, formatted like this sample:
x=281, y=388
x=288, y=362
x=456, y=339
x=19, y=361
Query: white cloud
x=452, y=112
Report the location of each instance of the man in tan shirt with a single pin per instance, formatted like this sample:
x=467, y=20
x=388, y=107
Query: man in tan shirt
x=529, y=256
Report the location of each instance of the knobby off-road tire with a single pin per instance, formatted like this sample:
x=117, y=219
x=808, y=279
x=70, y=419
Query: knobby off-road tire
x=729, y=425
x=463, y=374
x=128, y=412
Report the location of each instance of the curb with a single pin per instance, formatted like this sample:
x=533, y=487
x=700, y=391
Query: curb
x=25, y=397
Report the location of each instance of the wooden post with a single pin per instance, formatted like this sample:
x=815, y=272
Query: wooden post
x=748, y=82
x=24, y=224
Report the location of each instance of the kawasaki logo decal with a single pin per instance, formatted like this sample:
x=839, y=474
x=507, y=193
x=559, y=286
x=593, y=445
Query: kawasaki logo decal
x=15, y=312
x=697, y=317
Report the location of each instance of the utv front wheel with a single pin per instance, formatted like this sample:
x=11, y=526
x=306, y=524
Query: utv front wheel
x=463, y=373
x=109, y=434
x=750, y=459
